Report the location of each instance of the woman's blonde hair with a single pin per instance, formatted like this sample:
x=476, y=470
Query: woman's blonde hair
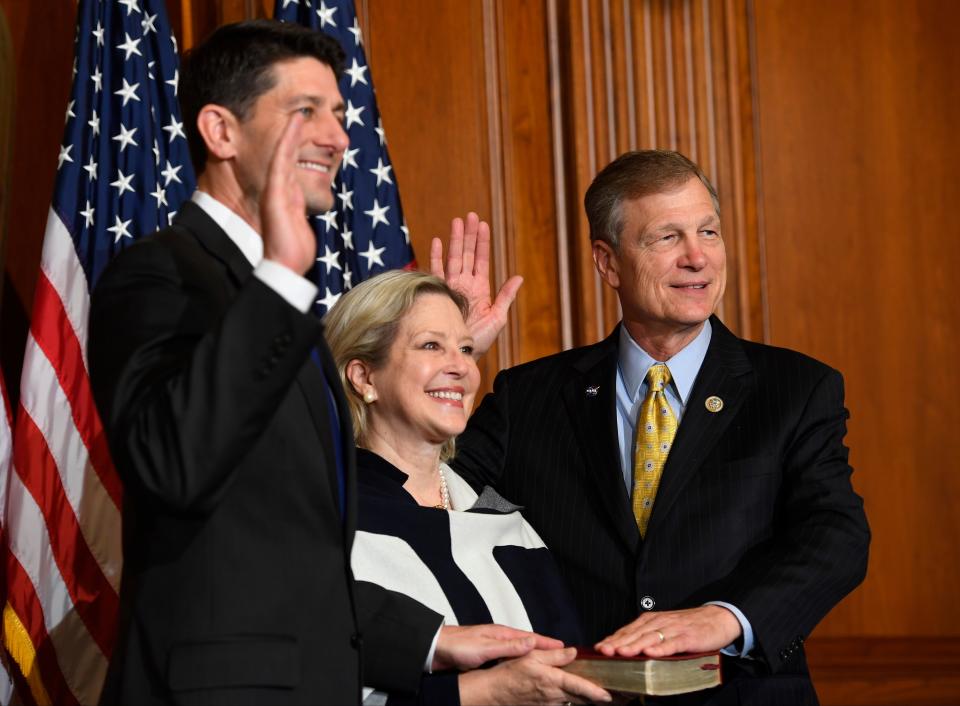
x=364, y=323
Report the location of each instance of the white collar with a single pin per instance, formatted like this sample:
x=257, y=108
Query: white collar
x=237, y=229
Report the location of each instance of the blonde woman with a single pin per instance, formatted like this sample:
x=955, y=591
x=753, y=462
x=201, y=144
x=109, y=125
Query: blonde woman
x=406, y=361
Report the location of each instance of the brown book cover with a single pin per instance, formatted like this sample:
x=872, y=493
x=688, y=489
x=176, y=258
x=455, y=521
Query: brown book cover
x=652, y=676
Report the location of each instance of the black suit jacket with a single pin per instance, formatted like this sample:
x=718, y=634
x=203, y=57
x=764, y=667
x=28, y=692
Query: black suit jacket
x=754, y=508
x=236, y=584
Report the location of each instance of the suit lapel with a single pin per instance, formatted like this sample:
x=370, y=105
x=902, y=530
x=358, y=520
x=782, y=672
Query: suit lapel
x=590, y=400
x=725, y=373
x=214, y=241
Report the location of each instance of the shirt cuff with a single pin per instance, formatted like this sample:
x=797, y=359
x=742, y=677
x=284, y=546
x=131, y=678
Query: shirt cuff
x=298, y=291
x=428, y=667
x=733, y=650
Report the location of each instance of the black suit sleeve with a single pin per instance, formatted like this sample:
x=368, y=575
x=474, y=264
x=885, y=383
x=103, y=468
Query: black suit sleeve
x=185, y=380
x=397, y=633
x=817, y=549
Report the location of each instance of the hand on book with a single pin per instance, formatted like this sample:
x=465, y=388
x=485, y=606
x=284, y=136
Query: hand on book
x=535, y=678
x=468, y=647
x=659, y=634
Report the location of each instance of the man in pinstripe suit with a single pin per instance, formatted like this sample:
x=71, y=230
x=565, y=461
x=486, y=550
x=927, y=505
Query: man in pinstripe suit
x=755, y=532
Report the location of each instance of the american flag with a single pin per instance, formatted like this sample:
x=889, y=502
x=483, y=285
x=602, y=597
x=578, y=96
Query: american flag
x=123, y=171
x=365, y=233
x=6, y=457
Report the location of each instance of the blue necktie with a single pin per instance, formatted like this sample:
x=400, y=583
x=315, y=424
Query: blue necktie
x=335, y=432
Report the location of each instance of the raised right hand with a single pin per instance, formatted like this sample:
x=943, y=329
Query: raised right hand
x=535, y=678
x=288, y=238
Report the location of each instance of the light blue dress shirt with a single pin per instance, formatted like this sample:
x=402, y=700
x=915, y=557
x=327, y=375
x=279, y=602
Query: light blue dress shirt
x=633, y=364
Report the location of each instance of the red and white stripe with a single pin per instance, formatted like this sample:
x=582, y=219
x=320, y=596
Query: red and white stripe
x=63, y=553
x=6, y=457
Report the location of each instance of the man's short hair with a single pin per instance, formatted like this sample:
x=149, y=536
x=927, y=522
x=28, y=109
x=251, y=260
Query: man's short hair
x=232, y=68
x=633, y=175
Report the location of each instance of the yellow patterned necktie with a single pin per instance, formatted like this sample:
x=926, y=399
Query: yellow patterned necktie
x=656, y=427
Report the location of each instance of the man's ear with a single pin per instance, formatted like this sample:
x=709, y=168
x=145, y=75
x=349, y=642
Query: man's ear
x=605, y=259
x=358, y=375
x=218, y=128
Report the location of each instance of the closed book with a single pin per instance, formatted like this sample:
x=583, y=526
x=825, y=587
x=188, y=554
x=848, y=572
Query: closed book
x=652, y=676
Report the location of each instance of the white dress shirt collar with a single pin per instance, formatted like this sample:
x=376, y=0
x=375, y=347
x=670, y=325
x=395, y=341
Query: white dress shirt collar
x=634, y=362
x=237, y=229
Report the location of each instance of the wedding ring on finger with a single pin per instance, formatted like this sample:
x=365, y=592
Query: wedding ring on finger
x=660, y=635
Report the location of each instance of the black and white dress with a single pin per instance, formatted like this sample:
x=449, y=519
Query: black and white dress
x=480, y=562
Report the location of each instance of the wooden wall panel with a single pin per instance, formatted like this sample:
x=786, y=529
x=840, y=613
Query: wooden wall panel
x=858, y=149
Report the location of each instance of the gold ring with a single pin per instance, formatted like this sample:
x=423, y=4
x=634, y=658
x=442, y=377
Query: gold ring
x=660, y=635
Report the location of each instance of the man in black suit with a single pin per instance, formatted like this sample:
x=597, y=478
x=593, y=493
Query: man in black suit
x=727, y=521
x=226, y=421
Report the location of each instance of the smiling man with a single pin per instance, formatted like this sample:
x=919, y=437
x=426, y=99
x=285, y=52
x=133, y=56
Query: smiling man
x=227, y=423
x=693, y=486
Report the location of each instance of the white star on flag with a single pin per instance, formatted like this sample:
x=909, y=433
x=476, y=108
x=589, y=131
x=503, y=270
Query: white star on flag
x=353, y=114
x=88, y=214
x=128, y=92
x=331, y=258
x=356, y=73
x=94, y=123
x=330, y=218
x=346, y=197
x=378, y=214
x=91, y=169
x=119, y=228
x=349, y=157
x=125, y=138
x=170, y=172
x=160, y=195
x=326, y=15
x=64, y=155
x=330, y=299
x=147, y=24
x=123, y=182
x=175, y=129
x=382, y=172
x=356, y=32
x=130, y=47
x=373, y=256
x=131, y=6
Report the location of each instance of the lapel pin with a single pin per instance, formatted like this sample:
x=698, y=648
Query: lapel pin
x=713, y=404
x=593, y=390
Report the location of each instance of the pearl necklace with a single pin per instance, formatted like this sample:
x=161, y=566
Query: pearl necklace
x=444, y=492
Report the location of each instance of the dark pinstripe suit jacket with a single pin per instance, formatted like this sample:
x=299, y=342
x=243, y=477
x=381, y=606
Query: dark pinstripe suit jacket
x=754, y=508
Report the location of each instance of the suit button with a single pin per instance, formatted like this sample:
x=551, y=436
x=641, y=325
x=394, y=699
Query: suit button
x=356, y=641
x=647, y=602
